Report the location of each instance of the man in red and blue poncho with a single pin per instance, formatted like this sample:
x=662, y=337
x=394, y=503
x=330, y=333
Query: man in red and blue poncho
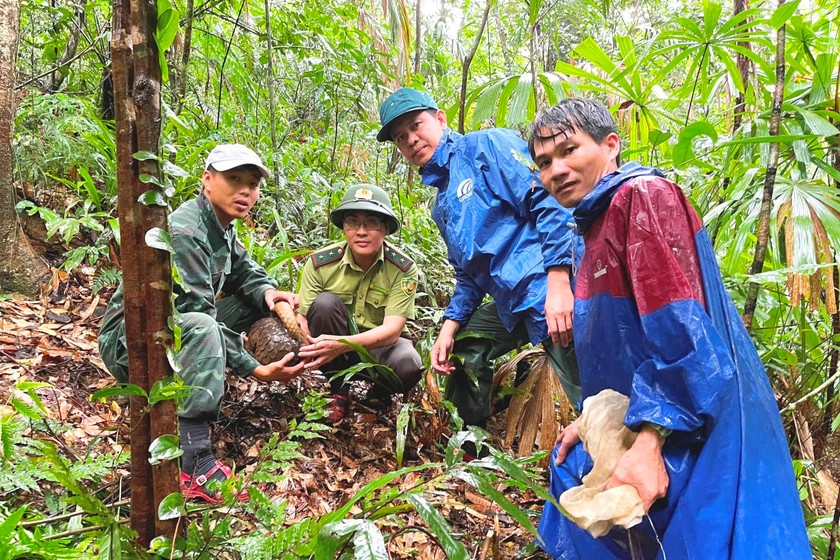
x=653, y=321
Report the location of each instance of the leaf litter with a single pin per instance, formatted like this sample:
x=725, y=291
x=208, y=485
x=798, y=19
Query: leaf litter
x=54, y=340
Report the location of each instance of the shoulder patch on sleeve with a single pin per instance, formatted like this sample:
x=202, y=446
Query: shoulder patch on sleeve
x=327, y=256
x=398, y=258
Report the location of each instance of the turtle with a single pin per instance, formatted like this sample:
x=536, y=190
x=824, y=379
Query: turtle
x=273, y=337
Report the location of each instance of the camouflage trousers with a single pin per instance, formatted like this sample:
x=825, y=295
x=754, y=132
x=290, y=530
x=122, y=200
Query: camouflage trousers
x=471, y=397
x=202, y=354
x=327, y=315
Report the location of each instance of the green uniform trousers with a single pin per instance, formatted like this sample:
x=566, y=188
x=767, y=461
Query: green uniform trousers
x=472, y=398
x=202, y=353
x=328, y=315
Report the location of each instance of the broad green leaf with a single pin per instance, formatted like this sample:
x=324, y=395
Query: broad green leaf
x=374, y=485
x=110, y=545
x=328, y=541
x=783, y=13
x=167, y=28
x=518, y=102
x=817, y=124
x=171, y=507
x=486, y=487
x=149, y=179
x=164, y=448
x=170, y=388
x=684, y=149
x=369, y=543
x=402, y=430
x=591, y=51
x=9, y=524
x=439, y=528
x=174, y=170
x=118, y=390
x=153, y=198
x=144, y=155
x=158, y=238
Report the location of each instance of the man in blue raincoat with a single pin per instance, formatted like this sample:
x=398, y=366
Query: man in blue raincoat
x=653, y=321
x=505, y=236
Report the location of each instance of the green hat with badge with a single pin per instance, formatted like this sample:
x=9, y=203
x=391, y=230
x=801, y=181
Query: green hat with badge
x=368, y=198
x=402, y=101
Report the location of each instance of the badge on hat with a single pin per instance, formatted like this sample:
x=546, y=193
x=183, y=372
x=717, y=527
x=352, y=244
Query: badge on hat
x=365, y=194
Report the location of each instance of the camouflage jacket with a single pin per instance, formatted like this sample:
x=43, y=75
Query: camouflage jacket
x=210, y=260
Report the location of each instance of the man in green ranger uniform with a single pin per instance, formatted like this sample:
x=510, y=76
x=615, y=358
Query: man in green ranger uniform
x=360, y=290
x=211, y=262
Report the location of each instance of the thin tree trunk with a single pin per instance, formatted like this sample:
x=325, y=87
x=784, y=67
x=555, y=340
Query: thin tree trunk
x=763, y=233
x=272, y=125
x=743, y=64
x=72, y=45
x=185, y=57
x=466, y=69
x=418, y=44
x=21, y=270
x=503, y=44
x=146, y=271
x=833, y=354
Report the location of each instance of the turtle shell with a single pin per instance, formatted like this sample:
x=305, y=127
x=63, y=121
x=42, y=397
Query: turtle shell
x=269, y=340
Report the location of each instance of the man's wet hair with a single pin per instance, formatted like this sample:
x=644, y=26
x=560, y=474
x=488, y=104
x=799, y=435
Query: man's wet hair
x=570, y=116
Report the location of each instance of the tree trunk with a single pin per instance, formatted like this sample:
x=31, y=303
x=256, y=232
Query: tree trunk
x=146, y=271
x=58, y=76
x=21, y=270
x=763, y=233
x=270, y=90
x=183, y=71
x=743, y=64
x=466, y=70
x=418, y=45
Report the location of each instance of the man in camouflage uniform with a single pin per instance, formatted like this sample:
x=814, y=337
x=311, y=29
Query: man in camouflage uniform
x=211, y=262
x=361, y=290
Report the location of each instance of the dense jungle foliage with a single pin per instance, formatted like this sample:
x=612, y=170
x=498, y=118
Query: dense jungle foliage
x=739, y=105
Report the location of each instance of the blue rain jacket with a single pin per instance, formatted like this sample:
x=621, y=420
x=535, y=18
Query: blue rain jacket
x=654, y=322
x=502, y=229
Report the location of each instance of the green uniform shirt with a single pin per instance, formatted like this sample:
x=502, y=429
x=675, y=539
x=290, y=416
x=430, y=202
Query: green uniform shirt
x=386, y=289
x=210, y=260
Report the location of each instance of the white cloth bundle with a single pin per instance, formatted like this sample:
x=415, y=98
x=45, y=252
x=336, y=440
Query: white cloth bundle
x=605, y=438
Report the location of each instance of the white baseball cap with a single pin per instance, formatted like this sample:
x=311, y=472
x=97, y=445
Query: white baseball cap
x=227, y=156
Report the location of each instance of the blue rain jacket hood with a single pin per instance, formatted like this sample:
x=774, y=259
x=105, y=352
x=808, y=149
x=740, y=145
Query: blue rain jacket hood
x=653, y=321
x=501, y=228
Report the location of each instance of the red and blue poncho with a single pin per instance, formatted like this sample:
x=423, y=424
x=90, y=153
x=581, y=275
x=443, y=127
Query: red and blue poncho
x=653, y=321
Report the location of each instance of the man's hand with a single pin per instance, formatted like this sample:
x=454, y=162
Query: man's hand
x=279, y=371
x=642, y=467
x=272, y=296
x=559, y=306
x=566, y=439
x=322, y=350
x=442, y=348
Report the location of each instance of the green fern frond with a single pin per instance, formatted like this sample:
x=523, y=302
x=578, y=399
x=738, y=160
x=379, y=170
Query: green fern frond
x=106, y=277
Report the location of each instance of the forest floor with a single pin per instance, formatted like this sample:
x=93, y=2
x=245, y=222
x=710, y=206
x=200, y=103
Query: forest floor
x=54, y=340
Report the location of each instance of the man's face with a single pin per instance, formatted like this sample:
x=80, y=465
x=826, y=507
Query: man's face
x=417, y=135
x=570, y=164
x=365, y=232
x=232, y=193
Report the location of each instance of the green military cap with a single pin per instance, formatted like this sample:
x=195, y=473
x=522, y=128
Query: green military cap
x=368, y=198
x=402, y=101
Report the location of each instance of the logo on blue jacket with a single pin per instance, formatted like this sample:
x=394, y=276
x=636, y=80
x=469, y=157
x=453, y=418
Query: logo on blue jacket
x=465, y=190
